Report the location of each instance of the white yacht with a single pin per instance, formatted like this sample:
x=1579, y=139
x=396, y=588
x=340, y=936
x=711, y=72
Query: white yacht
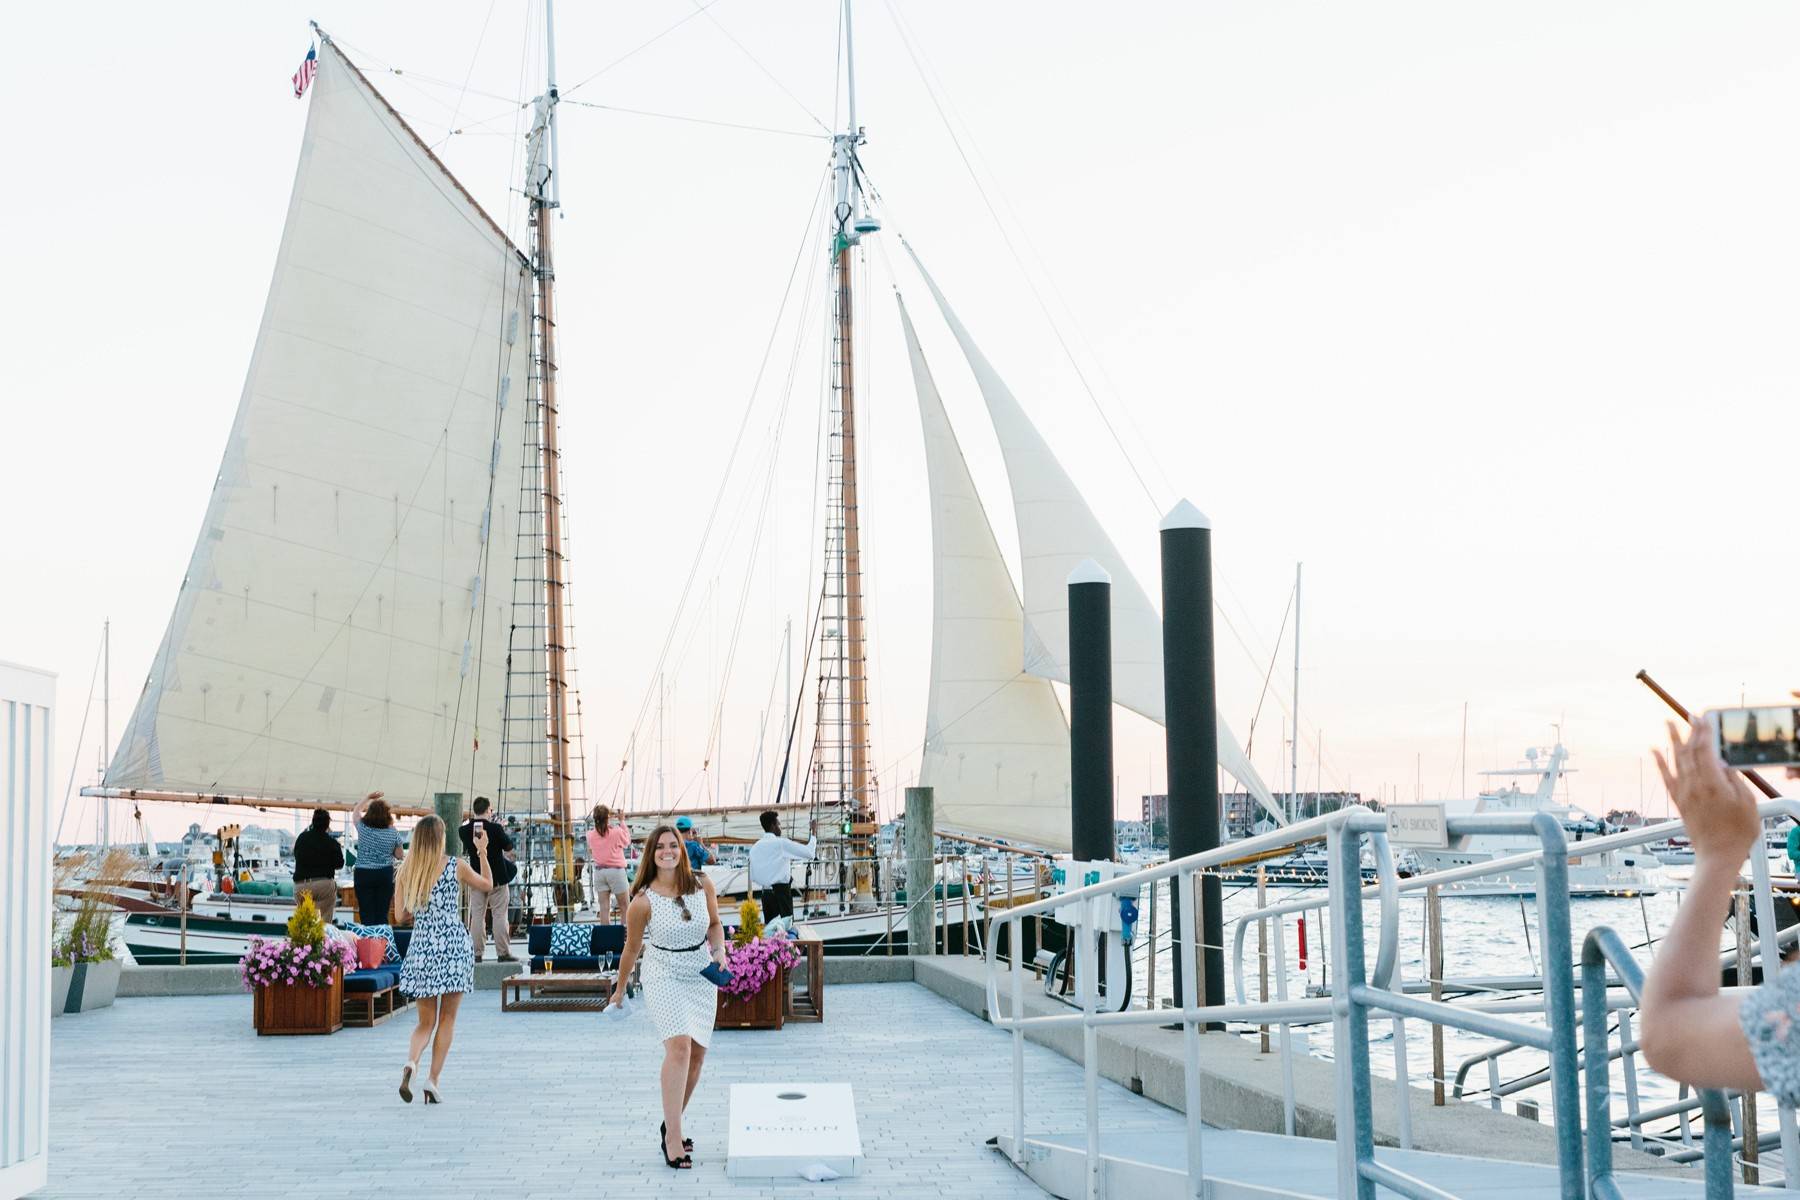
x=1609, y=873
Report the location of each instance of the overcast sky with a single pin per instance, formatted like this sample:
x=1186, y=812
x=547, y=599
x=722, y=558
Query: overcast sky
x=1485, y=313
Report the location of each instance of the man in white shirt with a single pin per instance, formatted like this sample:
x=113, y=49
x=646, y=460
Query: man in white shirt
x=771, y=857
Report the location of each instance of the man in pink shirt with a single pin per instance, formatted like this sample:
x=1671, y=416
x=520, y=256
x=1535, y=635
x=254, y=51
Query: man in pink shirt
x=607, y=844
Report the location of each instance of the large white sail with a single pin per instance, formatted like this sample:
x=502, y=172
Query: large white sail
x=343, y=621
x=996, y=744
x=1057, y=530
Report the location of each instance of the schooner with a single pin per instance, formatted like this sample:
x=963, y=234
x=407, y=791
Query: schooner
x=377, y=596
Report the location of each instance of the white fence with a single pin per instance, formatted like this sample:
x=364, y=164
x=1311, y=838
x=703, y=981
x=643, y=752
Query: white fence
x=27, y=697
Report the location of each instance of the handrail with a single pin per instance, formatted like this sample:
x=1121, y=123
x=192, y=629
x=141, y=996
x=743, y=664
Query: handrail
x=1602, y=947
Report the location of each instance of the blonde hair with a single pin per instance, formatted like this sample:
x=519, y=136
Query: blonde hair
x=424, y=862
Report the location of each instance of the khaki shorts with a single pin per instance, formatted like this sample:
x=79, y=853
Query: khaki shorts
x=611, y=879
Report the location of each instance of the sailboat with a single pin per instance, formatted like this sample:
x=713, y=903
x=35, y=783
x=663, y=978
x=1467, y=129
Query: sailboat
x=377, y=595
x=376, y=599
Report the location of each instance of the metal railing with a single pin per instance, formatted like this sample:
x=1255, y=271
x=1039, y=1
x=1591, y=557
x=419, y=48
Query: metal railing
x=1601, y=949
x=1357, y=997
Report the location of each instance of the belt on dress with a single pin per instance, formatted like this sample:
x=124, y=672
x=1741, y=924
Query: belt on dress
x=680, y=949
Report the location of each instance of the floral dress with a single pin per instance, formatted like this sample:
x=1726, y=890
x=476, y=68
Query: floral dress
x=1770, y=1016
x=440, y=958
x=682, y=1002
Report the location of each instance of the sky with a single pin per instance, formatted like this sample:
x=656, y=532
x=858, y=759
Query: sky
x=1483, y=314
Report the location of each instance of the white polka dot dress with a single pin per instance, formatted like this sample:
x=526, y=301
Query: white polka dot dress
x=681, y=1002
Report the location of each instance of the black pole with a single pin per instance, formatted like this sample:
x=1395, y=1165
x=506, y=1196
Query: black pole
x=1190, y=712
x=1090, y=713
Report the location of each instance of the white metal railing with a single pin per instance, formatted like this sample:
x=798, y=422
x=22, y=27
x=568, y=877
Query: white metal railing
x=1349, y=992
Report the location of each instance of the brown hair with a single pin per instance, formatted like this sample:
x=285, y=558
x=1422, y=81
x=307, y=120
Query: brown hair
x=377, y=816
x=418, y=874
x=686, y=882
x=600, y=815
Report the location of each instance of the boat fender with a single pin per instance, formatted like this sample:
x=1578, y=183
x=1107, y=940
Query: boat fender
x=1303, y=942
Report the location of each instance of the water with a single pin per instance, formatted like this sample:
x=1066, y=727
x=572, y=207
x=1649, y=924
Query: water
x=1483, y=937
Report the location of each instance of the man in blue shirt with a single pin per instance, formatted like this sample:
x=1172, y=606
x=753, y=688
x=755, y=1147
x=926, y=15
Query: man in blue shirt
x=699, y=854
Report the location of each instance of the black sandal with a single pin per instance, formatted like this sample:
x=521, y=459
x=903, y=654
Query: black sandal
x=685, y=1162
x=686, y=1143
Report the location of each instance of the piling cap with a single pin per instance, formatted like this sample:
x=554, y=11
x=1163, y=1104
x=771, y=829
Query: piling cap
x=1185, y=516
x=1088, y=571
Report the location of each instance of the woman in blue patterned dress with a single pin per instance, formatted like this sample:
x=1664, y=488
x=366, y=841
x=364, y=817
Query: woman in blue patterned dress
x=673, y=922
x=440, y=960
x=1691, y=1030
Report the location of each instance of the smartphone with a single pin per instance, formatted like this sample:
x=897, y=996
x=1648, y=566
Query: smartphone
x=1761, y=736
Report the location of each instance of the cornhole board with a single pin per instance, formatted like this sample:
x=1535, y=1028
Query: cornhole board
x=779, y=1129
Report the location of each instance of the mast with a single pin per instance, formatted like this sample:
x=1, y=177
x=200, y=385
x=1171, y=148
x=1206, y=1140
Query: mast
x=544, y=190
x=105, y=728
x=1294, y=784
x=842, y=758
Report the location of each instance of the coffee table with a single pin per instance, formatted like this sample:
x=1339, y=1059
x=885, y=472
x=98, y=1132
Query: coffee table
x=557, y=991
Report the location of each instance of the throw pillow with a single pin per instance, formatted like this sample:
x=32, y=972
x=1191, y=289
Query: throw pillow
x=570, y=940
x=375, y=931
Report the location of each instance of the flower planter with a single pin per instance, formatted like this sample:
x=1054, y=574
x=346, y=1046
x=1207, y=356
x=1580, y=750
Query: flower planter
x=760, y=1010
x=294, y=1008
x=84, y=986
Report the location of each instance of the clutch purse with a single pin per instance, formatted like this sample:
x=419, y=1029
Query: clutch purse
x=714, y=974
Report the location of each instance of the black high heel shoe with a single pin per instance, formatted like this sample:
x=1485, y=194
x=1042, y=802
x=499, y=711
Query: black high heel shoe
x=686, y=1143
x=684, y=1163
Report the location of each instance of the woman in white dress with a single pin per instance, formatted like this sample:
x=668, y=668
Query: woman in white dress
x=673, y=922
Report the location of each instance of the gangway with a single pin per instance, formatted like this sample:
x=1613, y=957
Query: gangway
x=1090, y=1162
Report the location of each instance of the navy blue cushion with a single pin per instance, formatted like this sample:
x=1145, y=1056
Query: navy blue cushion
x=537, y=939
x=375, y=979
x=608, y=939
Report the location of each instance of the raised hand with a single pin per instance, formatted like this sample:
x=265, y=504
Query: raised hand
x=1713, y=800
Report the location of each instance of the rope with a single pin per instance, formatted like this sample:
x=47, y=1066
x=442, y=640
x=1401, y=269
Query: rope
x=639, y=112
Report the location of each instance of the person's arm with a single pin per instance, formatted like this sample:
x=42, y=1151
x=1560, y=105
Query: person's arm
x=506, y=842
x=715, y=929
x=1688, y=1028
x=482, y=880
x=637, y=919
x=795, y=849
x=337, y=854
x=356, y=814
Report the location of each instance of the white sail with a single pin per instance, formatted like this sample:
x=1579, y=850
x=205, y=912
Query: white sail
x=1057, y=530
x=343, y=621
x=996, y=744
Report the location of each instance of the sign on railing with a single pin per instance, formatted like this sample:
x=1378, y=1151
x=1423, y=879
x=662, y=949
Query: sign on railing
x=1418, y=825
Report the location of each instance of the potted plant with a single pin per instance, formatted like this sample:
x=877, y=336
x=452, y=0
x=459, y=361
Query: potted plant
x=759, y=967
x=84, y=965
x=298, y=981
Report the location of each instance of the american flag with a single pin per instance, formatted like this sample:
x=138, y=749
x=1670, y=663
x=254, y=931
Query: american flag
x=308, y=68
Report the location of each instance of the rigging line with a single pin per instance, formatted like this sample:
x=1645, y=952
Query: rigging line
x=474, y=57
x=1250, y=737
x=769, y=478
x=1006, y=237
x=645, y=45
x=759, y=66
x=639, y=112
x=737, y=442
x=80, y=737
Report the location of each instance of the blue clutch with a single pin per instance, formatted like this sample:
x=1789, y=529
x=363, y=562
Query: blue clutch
x=716, y=975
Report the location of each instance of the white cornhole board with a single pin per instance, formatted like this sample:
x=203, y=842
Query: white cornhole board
x=779, y=1129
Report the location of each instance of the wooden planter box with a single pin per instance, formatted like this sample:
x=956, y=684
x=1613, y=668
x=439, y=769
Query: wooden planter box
x=286, y=1008
x=764, y=1010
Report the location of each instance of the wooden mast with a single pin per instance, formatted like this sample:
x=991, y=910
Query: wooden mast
x=850, y=225
x=545, y=191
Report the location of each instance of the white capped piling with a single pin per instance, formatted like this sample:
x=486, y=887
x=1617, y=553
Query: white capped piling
x=1190, y=710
